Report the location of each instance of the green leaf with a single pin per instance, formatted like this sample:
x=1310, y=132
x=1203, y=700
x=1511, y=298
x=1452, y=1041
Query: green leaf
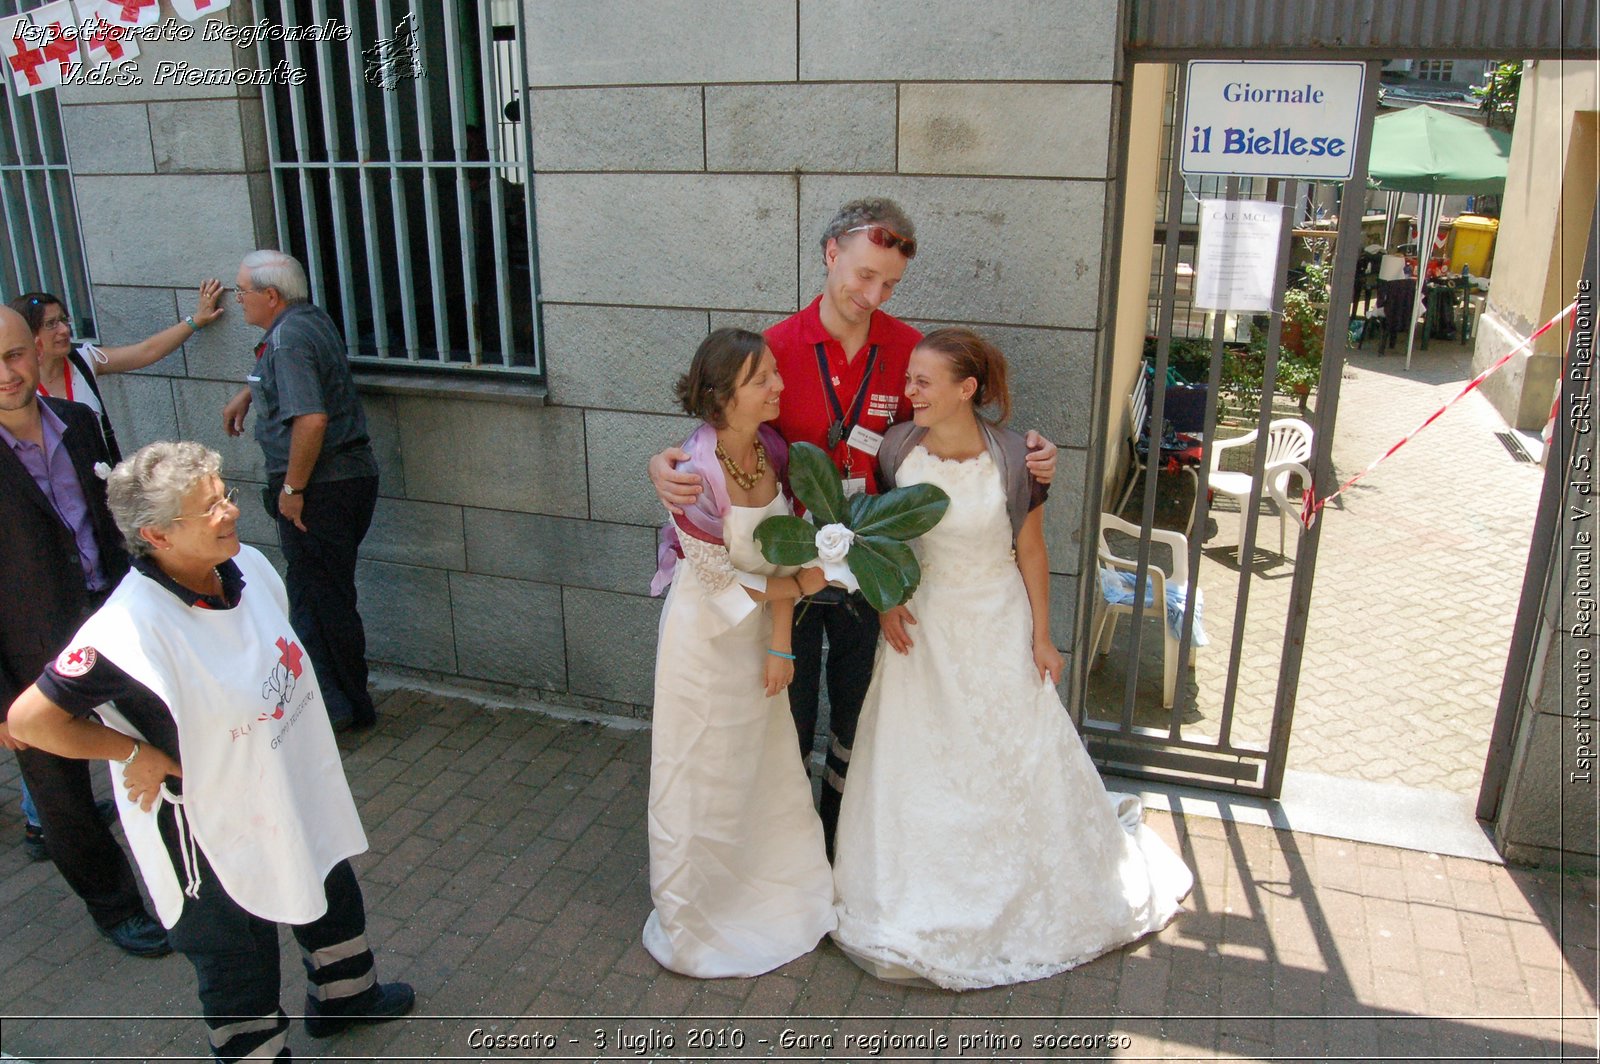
x=787, y=540
x=886, y=569
x=816, y=483
x=858, y=505
x=904, y=513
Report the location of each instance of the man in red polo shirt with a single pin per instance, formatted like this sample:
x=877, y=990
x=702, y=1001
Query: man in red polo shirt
x=843, y=363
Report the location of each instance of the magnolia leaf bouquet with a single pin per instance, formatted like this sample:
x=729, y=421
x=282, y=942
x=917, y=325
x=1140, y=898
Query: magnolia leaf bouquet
x=861, y=540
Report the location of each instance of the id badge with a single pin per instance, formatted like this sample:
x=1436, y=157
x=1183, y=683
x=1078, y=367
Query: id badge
x=854, y=486
x=865, y=440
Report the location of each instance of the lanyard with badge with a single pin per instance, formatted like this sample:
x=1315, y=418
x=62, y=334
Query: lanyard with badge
x=849, y=429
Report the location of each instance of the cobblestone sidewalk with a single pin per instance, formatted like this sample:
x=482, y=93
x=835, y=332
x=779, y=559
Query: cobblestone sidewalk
x=507, y=881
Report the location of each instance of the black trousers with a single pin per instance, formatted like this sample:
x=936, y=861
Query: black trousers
x=235, y=958
x=79, y=843
x=322, y=587
x=851, y=627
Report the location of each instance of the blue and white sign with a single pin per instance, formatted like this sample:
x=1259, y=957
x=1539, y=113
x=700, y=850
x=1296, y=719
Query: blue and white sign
x=1272, y=119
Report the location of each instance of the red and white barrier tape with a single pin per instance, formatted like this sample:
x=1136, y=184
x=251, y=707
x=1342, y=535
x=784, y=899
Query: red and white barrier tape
x=1311, y=506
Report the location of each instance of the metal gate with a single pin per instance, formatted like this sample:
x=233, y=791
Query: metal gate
x=1228, y=725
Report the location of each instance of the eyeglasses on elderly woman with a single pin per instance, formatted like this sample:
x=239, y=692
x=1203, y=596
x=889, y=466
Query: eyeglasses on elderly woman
x=216, y=509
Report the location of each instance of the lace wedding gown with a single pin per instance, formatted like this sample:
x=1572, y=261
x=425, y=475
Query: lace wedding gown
x=977, y=845
x=738, y=873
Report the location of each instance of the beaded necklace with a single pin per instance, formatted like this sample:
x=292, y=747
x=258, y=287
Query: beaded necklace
x=747, y=481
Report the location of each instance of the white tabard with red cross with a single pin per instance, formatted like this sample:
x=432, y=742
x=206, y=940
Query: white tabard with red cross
x=264, y=792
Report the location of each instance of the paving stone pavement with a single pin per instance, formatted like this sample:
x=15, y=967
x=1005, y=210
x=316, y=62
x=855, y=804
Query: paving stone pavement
x=507, y=880
x=1418, y=576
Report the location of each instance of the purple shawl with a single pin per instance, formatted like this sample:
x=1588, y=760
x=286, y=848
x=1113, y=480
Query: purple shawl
x=703, y=518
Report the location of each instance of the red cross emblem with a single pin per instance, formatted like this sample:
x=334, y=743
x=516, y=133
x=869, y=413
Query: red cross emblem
x=27, y=61
x=289, y=655
x=130, y=9
x=106, y=37
x=75, y=662
x=59, y=49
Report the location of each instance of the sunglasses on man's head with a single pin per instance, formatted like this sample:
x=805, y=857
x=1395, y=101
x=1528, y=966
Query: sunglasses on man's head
x=885, y=237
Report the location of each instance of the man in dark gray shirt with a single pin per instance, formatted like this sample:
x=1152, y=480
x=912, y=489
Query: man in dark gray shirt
x=322, y=478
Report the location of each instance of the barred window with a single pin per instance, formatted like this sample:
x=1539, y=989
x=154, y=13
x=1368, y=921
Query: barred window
x=1434, y=70
x=401, y=178
x=42, y=249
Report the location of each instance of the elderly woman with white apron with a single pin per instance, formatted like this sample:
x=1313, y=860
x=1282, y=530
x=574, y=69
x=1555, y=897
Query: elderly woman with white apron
x=230, y=787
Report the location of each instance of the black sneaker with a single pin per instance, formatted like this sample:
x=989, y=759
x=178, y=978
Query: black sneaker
x=33, y=843
x=140, y=936
x=376, y=1004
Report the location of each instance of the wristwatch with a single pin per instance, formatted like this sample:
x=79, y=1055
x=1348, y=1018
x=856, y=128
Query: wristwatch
x=287, y=490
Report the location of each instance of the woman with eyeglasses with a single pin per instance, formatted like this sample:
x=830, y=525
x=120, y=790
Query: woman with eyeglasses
x=70, y=372
x=229, y=784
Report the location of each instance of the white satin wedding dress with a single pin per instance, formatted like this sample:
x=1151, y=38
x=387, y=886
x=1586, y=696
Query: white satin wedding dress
x=977, y=845
x=738, y=872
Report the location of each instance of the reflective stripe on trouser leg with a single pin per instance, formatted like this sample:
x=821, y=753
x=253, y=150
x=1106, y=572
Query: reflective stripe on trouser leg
x=334, y=947
x=265, y=1038
x=235, y=959
x=837, y=765
x=339, y=971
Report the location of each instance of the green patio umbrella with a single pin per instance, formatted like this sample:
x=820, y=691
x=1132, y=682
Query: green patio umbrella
x=1434, y=154
x=1424, y=150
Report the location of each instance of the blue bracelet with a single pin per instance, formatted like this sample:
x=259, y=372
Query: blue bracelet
x=780, y=654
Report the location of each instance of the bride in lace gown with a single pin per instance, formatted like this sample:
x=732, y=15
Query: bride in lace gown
x=738, y=873
x=977, y=845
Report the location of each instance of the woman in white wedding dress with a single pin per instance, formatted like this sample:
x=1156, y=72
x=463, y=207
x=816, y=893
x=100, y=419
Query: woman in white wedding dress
x=977, y=845
x=738, y=873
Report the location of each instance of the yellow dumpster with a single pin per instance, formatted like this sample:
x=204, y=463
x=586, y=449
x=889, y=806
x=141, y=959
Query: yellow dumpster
x=1472, y=243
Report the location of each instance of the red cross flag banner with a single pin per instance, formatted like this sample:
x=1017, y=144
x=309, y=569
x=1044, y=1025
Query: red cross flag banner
x=124, y=12
x=36, y=48
x=190, y=10
x=105, y=44
x=23, y=58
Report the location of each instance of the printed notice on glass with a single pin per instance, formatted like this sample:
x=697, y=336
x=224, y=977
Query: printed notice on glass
x=1236, y=264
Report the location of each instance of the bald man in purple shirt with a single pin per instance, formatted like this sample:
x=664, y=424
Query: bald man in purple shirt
x=61, y=556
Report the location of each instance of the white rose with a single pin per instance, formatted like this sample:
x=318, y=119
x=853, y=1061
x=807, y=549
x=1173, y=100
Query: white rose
x=102, y=470
x=833, y=542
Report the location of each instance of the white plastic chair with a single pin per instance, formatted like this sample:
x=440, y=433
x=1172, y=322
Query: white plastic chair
x=1288, y=449
x=1157, y=581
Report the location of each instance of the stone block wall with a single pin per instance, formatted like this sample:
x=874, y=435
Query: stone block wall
x=168, y=181
x=687, y=154
x=1551, y=801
